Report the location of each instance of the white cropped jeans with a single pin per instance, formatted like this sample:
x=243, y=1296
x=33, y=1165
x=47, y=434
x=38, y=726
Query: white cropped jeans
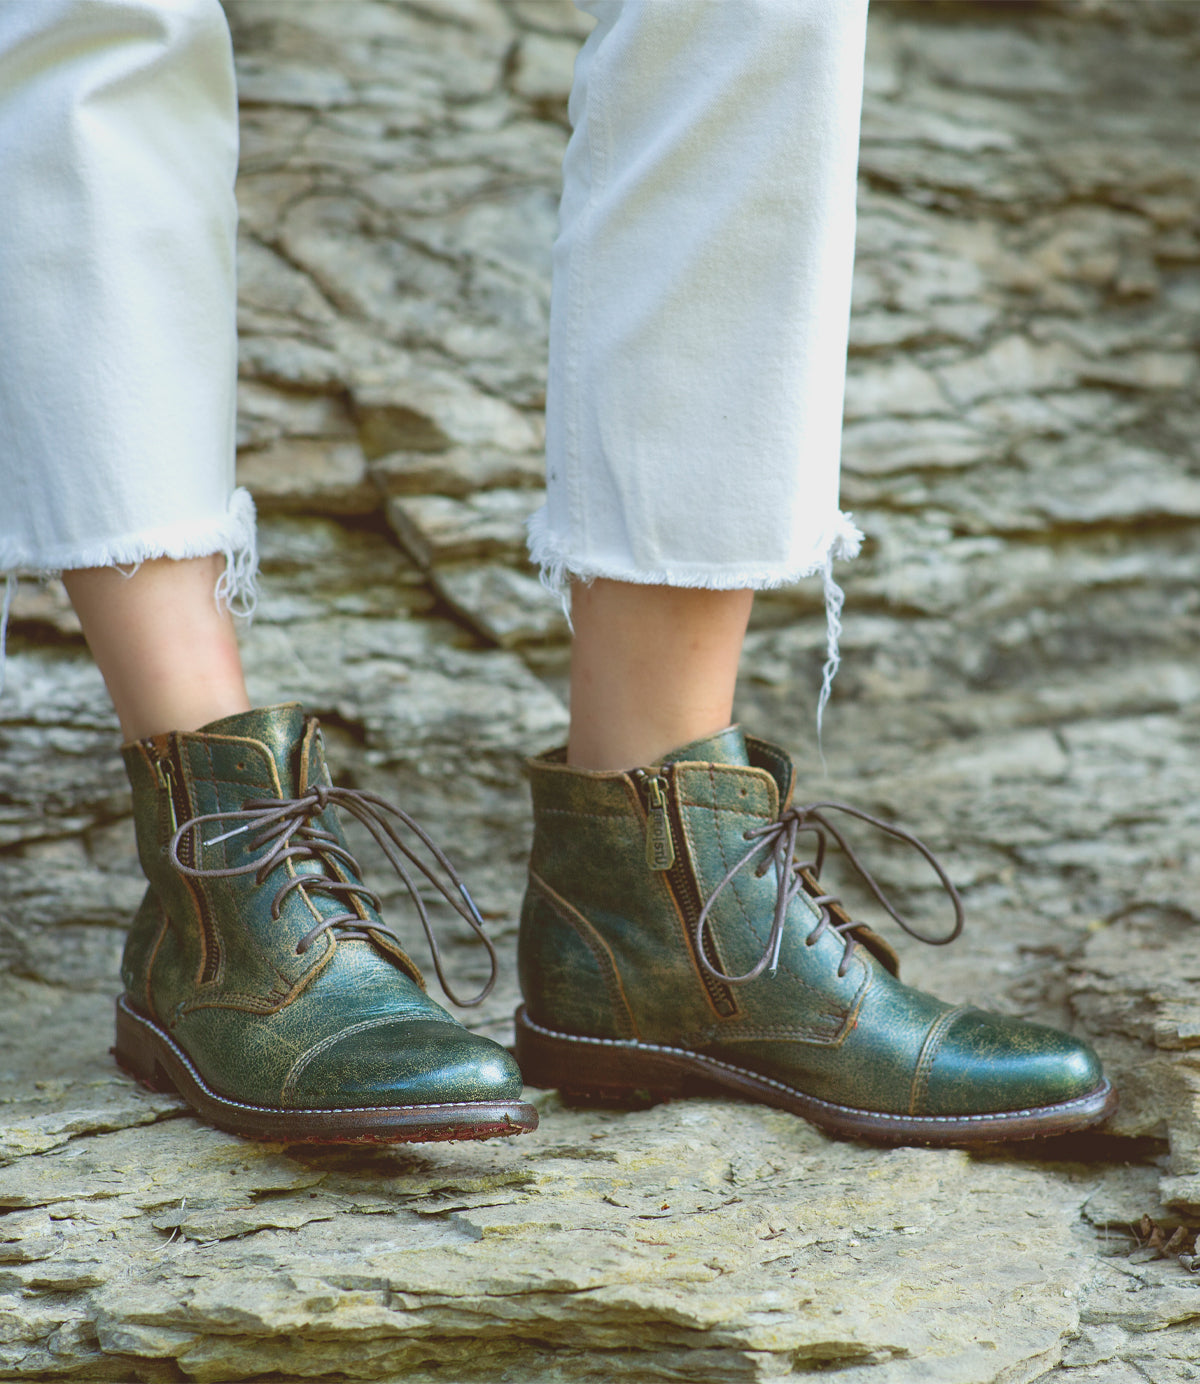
x=118, y=152
x=700, y=298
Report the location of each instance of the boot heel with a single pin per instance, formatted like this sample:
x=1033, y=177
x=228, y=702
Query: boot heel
x=134, y=1053
x=613, y=1097
x=592, y=1072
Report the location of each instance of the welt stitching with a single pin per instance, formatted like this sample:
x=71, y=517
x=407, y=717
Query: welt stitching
x=178, y=1052
x=633, y=1044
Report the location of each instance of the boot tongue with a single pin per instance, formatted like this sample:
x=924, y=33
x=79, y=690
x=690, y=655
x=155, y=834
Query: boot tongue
x=279, y=729
x=728, y=746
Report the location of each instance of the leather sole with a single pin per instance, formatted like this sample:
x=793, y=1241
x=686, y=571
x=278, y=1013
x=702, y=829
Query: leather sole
x=624, y=1071
x=152, y=1056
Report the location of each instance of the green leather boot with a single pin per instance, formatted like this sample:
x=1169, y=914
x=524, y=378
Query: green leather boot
x=261, y=981
x=672, y=943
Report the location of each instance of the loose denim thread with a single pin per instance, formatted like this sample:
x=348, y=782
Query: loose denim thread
x=835, y=599
x=10, y=590
x=557, y=570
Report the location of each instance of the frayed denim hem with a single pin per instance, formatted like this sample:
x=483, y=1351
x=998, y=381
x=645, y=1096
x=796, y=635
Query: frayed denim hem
x=841, y=541
x=232, y=535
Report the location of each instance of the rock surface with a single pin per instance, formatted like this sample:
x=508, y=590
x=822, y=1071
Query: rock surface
x=1019, y=685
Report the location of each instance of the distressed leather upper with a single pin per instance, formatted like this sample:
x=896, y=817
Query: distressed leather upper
x=606, y=950
x=342, y=1023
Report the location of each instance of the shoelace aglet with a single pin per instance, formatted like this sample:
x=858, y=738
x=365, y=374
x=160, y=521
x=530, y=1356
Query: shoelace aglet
x=237, y=831
x=471, y=904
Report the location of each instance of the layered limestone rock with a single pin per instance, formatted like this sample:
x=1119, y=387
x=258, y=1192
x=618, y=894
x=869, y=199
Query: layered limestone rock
x=1018, y=686
x=703, y=1240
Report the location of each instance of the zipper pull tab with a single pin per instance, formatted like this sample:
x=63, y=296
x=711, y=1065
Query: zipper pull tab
x=162, y=772
x=660, y=848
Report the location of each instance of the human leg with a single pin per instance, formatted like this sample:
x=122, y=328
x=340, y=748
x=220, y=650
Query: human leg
x=673, y=937
x=260, y=978
x=652, y=667
x=117, y=392
x=698, y=332
x=167, y=648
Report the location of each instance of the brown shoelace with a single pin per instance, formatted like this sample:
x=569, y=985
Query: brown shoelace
x=285, y=832
x=781, y=837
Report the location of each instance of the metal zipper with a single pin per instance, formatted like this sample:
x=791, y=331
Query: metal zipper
x=167, y=821
x=169, y=775
x=663, y=826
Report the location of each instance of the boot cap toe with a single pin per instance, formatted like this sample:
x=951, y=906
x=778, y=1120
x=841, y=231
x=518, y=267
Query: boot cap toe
x=988, y=1063
x=402, y=1062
